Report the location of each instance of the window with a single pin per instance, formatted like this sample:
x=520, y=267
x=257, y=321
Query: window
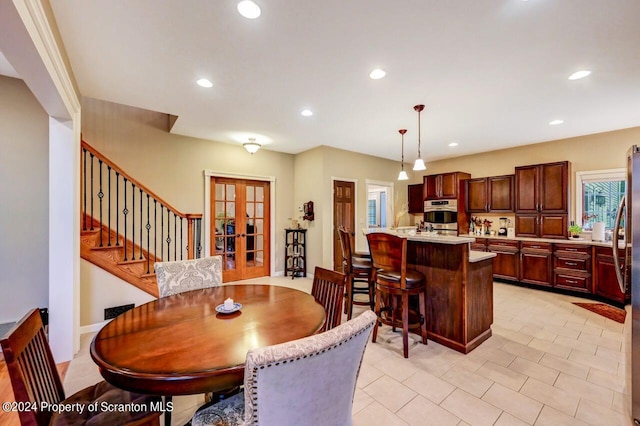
x=372, y=213
x=598, y=195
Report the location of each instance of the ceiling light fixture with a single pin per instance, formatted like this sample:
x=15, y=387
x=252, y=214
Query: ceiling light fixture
x=453, y=144
x=579, y=74
x=377, y=74
x=307, y=112
x=403, y=174
x=556, y=122
x=203, y=82
x=419, y=164
x=249, y=9
x=252, y=146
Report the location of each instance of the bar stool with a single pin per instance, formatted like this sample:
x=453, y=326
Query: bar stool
x=394, y=284
x=358, y=270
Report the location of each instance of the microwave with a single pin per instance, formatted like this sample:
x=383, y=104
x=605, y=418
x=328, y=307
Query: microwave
x=441, y=215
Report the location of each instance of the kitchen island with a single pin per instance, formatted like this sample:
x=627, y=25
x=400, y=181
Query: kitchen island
x=459, y=285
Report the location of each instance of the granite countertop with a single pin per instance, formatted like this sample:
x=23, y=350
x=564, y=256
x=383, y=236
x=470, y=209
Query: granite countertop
x=428, y=237
x=551, y=240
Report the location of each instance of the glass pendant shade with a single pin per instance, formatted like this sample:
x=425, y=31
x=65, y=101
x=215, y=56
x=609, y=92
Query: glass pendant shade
x=403, y=175
x=419, y=165
x=252, y=146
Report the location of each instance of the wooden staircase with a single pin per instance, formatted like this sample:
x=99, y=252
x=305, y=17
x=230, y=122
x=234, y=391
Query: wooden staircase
x=135, y=270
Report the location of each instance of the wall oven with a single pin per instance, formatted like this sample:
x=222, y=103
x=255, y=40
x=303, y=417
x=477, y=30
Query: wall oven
x=441, y=216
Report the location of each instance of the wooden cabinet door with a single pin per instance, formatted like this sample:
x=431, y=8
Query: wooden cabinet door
x=605, y=282
x=415, y=197
x=430, y=187
x=500, y=193
x=506, y=264
x=535, y=267
x=476, y=195
x=553, y=226
x=527, y=200
x=554, y=184
x=527, y=225
x=449, y=185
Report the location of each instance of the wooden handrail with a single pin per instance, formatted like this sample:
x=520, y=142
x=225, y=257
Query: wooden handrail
x=137, y=183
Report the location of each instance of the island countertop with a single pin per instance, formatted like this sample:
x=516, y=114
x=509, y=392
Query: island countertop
x=427, y=237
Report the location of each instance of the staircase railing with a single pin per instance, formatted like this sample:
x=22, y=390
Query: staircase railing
x=131, y=211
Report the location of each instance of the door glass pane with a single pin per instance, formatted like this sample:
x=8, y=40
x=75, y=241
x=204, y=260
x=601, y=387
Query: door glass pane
x=259, y=210
x=250, y=193
x=219, y=191
x=259, y=193
x=259, y=226
x=259, y=242
x=231, y=192
x=250, y=210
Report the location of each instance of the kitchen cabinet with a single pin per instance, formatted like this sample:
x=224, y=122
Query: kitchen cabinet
x=491, y=194
x=536, y=263
x=416, y=198
x=541, y=200
x=443, y=186
x=506, y=264
x=479, y=245
x=572, y=267
x=605, y=283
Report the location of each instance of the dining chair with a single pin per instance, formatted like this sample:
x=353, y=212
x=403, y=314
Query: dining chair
x=309, y=381
x=328, y=290
x=36, y=384
x=185, y=275
x=358, y=270
x=394, y=284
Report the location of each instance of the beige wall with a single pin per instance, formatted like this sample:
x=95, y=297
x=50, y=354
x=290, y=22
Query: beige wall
x=592, y=152
x=24, y=197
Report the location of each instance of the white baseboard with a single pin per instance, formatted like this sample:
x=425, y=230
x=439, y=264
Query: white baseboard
x=93, y=328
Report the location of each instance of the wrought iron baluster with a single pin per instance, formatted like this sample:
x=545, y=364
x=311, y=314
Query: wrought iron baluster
x=181, y=242
x=125, y=212
x=198, y=237
x=148, y=237
x=175, y=237
x=100, y=197
x=91, y=157
x=168, y=235
x=155, y=231
x=140, y=257
x=109, y=205
x=117, y=208
x=84, y=189
x=133, y=221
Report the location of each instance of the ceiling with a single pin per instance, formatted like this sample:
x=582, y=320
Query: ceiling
x=491, y=73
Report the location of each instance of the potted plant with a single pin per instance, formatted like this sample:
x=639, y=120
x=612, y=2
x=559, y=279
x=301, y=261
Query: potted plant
x=575, y=230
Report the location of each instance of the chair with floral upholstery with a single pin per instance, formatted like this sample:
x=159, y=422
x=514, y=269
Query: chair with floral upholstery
x=309, y=381
x=185, y=275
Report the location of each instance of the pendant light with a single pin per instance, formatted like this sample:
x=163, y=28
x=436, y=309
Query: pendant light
x=403, y=174
x=419, y=164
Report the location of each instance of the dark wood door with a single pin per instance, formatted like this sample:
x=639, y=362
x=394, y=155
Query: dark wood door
x=527, y=189
x=416, y=200
x=527, y=225
x=604, y=275
x=535, y=267
x=343, y=215
x=240, y=230
x=553, y=192
x=500, y=193
x=449, y=185
x=553, y=226
x=476, y=195
x=430, y=186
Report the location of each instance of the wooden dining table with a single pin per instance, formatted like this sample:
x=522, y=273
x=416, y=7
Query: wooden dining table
x=180, y=344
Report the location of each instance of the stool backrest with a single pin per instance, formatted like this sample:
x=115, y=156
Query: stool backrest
x=345, y=243
x=388, y=252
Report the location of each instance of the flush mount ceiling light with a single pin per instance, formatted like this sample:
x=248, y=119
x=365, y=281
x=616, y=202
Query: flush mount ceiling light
x=249, y=9
x=419, y=164
x=377, y=74
x=403, y=174
x=307, y=112
x=203, y=82
x=579, y=74
x=453, y=144
x=556, y=122
x=252, y=146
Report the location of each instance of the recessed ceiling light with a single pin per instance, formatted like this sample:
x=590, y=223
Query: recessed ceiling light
x=377, y=74
x=249, y=9
x=307, y=112
x=556, y=122
x=579, y=74
x=204, y=83
x=453, y=144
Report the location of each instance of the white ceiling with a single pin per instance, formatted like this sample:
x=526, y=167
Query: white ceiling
x=492, y=73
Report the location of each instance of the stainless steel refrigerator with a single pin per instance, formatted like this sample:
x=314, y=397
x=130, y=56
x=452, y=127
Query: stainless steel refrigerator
x=629, y=211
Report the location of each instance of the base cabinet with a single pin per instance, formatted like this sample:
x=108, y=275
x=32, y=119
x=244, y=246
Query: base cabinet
x=535, y=263
x=605, y=280
x=506, y=264
x=572, y=267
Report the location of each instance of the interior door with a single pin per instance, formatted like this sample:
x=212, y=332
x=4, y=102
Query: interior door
x=343, y=215
x=240, y=229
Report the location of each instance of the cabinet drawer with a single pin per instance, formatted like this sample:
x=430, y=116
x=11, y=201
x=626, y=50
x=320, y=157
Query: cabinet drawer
x=576, y=282
x=573, y=248
x=502, y=243
x=581, y=264
x=478, y=247
x=531, y=245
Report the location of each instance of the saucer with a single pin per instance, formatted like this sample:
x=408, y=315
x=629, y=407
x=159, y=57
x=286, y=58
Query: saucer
x=236, y=307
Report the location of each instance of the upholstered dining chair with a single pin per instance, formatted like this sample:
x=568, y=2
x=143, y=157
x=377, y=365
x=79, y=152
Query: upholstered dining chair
x=358, y=270
x=328, y=290
x=185, y=275
x=35, y=381
x=394, y=284
x=310, y=381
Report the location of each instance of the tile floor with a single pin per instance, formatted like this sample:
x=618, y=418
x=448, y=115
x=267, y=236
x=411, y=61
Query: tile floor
x=548, y=362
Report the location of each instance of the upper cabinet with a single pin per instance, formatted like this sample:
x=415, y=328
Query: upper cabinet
x=490, y=194
x=542, y=198
x=443, y=186
x=416, y=198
